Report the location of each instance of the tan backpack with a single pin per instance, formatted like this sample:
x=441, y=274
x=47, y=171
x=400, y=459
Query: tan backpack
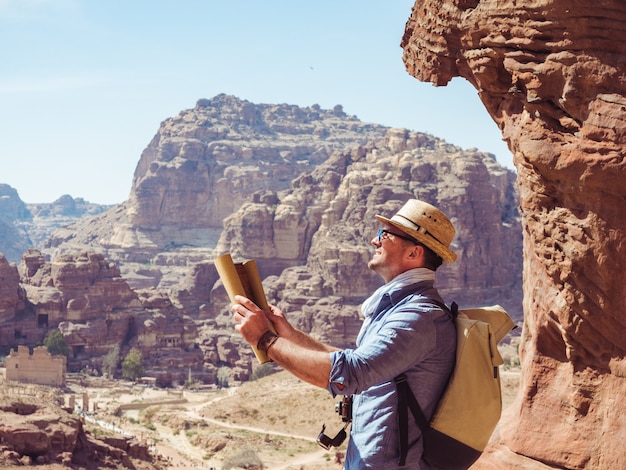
x=470, y=407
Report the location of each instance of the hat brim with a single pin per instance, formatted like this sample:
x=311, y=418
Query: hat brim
x=446, y=254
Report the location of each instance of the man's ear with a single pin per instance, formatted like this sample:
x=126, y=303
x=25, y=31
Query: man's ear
x=417, y=251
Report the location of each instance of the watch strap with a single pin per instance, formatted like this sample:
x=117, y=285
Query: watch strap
x=266, y=340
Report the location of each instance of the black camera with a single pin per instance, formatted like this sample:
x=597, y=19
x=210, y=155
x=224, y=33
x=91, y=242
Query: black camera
x=344, y=409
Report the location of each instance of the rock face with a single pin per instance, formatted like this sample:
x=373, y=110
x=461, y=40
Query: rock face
x=551, y=73
x=296, y=189
x=326, y=222
x=204, y=163
x=197, y=170
x=38, y=432
x=247, y=167
x=13, y=239
x=85, y=297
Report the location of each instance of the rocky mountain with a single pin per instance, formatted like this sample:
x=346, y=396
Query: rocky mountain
x=552, y=73
x=294, y=188
x=24, y=226
x=14, y=240
x=324, y=225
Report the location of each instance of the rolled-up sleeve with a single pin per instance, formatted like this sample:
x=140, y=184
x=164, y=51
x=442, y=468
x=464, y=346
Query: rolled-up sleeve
x=337, y=361
x=385, y=351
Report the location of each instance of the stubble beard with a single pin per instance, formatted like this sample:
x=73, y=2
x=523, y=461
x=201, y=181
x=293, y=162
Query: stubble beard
x=374, y=263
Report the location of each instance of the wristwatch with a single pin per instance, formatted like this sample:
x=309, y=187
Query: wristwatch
x=266, y=340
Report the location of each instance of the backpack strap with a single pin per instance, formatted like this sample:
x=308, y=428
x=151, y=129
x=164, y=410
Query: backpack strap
x=407, y=400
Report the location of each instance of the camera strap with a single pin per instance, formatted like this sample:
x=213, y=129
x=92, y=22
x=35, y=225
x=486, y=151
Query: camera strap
x=327, y=442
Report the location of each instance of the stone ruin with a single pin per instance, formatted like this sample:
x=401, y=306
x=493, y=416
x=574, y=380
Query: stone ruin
x=40, y=367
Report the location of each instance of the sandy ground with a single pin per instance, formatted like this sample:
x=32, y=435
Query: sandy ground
x=103, y=399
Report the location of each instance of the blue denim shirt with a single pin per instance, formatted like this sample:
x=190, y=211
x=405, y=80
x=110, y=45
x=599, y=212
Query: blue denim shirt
x=406, y=333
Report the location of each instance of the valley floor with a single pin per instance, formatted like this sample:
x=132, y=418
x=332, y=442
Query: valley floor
x=274, y=420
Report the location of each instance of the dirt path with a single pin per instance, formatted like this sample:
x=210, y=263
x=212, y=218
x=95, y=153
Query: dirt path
x=182, y=454
x=295, y=462
x=300, y=461
x=195, y=415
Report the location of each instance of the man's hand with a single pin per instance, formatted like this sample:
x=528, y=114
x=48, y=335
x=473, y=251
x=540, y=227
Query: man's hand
x=295, y=351
x=282, y=327
x=250, y=320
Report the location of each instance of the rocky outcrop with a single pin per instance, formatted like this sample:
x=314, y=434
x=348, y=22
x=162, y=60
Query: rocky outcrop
x=38, y=432
x=12, y=296
x=84, y=296
x=326, y=222
x=11, y=206
x=13, y=239
x=204, y=163
x=78, y=287
x=197, y=170
x=551, y=74
x=230, y=163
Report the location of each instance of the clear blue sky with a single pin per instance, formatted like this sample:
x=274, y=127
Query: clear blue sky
x=85, y=84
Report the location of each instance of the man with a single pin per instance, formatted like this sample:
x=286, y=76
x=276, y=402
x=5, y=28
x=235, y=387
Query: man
x=404, y=331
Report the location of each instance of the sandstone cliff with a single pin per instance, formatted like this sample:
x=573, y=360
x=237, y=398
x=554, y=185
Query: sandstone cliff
x=551, y=73
x=85, y=297
x=205, y=162
x=265, y=172
x=294, y=188
x=326, y=223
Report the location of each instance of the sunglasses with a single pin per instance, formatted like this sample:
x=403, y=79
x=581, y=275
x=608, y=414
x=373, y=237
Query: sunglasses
x=382, y=234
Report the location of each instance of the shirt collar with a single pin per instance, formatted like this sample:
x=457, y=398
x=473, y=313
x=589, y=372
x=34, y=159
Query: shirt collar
x=402, y=280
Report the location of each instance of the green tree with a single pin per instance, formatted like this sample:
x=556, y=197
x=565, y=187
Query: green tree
x=132, y=365
x=56, y=344
x=111, y=361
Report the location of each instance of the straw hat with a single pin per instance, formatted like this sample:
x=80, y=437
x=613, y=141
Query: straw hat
x=427, y=225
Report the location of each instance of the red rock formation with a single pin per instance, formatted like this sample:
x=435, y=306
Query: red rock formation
x=35, y=431
x=91, y=286
x=552, y=75
x=11, y=295
x=327, y=221
x=203, y=164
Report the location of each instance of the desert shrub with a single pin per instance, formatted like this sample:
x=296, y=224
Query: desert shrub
x=111, y=361
x=223, y=374
x=150, y=412
x=262, y=371
x=246, y=459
